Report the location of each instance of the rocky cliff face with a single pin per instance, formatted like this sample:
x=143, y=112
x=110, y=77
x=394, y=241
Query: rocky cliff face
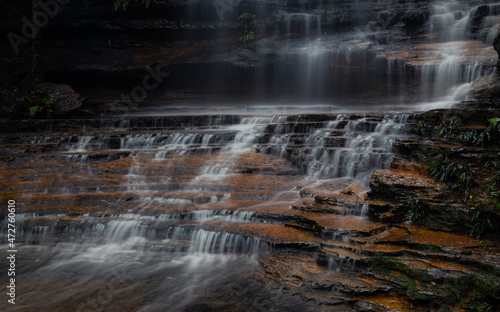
x=312, y=49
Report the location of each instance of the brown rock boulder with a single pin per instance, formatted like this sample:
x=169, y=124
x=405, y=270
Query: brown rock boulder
x=396, y=192
x=64, y=97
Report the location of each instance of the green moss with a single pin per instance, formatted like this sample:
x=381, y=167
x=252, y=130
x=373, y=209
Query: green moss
x=469, y=292
x=473, y=293
x=467, y=117
x=412, y=290
x=392, y=264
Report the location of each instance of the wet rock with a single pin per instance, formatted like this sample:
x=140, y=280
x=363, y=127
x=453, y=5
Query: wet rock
x=325, y=200
x=64, y=97
x=412, y=19
x=340, y=258
x=415, y=19
x=202, y=307
x=478, y=14
x=383, y=18
x=373, y=307
x=496, y=44
x=397, y=191
x=321, y=251
x=396, y=184
x=387, y=211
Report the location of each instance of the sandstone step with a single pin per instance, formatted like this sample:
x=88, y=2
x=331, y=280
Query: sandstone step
x=340, y=254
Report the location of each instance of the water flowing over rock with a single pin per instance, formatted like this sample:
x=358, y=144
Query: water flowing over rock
x=229, y=200
x=313, y=52
x=274, y=174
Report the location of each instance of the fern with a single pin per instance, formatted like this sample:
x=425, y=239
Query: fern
x=33, y=110
x=494, y=121
x=246, y=19
x=247, y=37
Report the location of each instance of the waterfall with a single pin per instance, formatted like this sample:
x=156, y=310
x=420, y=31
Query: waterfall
x=145, y=176
x=303, y=24
x=362, y=151
x=450, y=81
x=247, y=135
x=449, y=19
x=188, y=201
x=450, y=75
x=220, y=242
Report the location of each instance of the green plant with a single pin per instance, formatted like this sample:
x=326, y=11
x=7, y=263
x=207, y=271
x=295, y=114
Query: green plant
x=47, y=107
x=492, y=185
x=472, y=137
x=468, y=180
x=416, y=212
x=449, y=130
x=494, y=192
x=495, y=122
x=34, y=110
x=421, y=129
x=38, y=104
x=461, y=177
x=442, y=169
x=491, y=163
x=247, y=19
x=490, y=135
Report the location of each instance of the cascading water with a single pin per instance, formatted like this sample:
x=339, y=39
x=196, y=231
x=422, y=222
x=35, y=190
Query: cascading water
x=159, y=216
x=159, y=213
x=303, y=24
x=440, y=69
x=364, y=149
x=247, y=134
x=449, y=77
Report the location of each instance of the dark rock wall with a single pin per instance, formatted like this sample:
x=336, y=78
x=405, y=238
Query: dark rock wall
x=198, y=44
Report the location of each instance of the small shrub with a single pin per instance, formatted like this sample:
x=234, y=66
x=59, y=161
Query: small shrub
x=443, y=169
x=489, y=136
x=449, y=130
x=460, y=177
x=38, y=104
x=467, y=180
x=416, y=212
x=247, y=19
x=421, y=129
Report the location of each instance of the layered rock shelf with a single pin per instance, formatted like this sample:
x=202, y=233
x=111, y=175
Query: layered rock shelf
x=324, y=244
